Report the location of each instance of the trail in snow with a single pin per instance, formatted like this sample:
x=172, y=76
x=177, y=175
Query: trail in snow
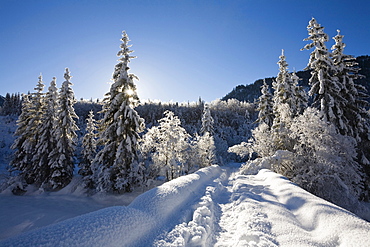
x=244, y=221
x=212, y=207
x=265, y=210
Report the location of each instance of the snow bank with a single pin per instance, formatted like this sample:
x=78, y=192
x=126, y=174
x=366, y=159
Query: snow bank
x=265, y=210
x=150, y=214
x=299, y=218
x=211, y=208
x=201, y=229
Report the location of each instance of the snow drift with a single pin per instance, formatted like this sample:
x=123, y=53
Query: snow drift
x=135, y=225
x=212, y=207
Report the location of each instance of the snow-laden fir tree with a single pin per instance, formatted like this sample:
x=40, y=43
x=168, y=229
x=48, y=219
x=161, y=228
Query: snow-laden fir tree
x=28, y=133
x=284, y=105
x=62, y=157
x=206, y=144
x=46, y=142
x=300, y=96
x=356, y=117
x=265, y=106
x=287, y=90
x=276, y=113
x=207, y=121
x=347, y=71
x=283, y=86
x=325, y=87
x=21, y=165
x=88, y=151
x=116, y=166
x=167, y=144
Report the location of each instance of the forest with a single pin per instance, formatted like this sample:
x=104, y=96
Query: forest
x=312, y=127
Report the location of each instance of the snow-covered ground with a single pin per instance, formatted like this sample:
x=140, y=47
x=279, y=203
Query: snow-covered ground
x=216, y=206
x=20, y=214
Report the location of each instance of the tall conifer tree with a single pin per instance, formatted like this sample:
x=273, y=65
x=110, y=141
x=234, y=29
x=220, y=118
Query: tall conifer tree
x=46, y=142
x=23, y=151
x=62, y=157
x=325, y=87
x=206, y=143
x=88, y=150
x=284, y=105
x=265, y=106
x=355, y=118
x=283, y=91
x=116, y=167
x=28, y=134
x=300, y=101
x=207, y=121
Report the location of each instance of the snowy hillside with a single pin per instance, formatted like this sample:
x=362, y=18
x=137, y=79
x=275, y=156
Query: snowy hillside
x=216, y=206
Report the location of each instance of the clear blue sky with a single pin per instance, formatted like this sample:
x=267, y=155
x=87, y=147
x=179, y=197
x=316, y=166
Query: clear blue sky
x=185, y=49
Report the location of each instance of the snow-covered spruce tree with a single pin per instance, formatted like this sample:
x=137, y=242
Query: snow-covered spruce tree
x=207, y=121
x=300, y=102
x=62, y=157
x=283, y=86
x=325, y=86
x=46, y=142
x=168, y=144
x=21, y=165
x=284, y=106
x=288, y=102
x=355, y=104
x=28, y=133
x=265, y=106
x=325, y=160
x=88, y=151
x=206, y=144
x=347, y=71
x=116, y=168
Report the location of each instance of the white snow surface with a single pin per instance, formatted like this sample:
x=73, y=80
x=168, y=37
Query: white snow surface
x=216, y=206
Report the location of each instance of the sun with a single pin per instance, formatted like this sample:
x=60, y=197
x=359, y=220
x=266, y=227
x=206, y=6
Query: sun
x=129, y=92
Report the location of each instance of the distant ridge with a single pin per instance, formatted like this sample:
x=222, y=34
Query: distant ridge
x=251, y=92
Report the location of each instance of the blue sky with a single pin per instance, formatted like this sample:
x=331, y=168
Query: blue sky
x=185, y=49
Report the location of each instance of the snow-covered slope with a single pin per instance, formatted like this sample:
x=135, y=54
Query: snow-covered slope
x=212, y=207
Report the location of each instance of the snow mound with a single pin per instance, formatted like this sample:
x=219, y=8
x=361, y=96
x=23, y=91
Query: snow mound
x=150, y=214
x=201, y=228
x=299, y=218
x=212, y=207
